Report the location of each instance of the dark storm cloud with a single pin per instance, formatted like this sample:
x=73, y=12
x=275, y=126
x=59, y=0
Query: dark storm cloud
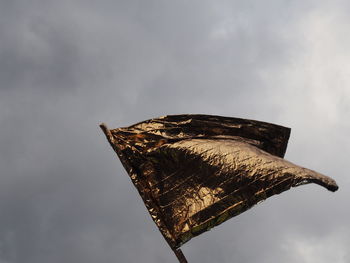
x=65, y=66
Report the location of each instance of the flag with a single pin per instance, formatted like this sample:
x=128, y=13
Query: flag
x=194, y=172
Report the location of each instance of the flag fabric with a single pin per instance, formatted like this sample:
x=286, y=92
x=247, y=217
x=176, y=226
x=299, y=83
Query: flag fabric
x=194, y=172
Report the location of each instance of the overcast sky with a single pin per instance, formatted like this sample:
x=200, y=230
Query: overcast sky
x=66, y=66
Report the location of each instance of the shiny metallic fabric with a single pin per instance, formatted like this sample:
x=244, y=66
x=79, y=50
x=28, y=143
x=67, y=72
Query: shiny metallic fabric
x=194, y=172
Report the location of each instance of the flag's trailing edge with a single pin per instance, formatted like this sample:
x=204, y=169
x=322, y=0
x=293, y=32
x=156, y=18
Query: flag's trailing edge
x=194, y=172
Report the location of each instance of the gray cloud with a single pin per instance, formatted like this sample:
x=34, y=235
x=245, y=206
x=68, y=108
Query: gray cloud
x=65, y=66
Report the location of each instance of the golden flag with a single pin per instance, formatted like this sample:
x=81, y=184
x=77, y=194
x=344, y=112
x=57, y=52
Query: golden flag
x=194, y=172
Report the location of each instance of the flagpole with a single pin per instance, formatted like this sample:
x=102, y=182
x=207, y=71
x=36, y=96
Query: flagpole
x=180, y=256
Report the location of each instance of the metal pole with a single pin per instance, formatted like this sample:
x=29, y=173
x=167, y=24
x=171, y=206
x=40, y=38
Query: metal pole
x=180, y=256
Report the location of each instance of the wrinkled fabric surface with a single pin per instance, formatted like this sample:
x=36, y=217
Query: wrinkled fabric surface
x=194, y=172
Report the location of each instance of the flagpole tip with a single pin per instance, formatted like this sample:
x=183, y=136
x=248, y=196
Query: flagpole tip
x=103, y=126
x=107, y=132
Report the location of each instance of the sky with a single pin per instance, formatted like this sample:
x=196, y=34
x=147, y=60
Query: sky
x=66, y=66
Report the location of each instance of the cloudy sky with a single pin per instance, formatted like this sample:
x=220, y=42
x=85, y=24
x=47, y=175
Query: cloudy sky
x=66, y=66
